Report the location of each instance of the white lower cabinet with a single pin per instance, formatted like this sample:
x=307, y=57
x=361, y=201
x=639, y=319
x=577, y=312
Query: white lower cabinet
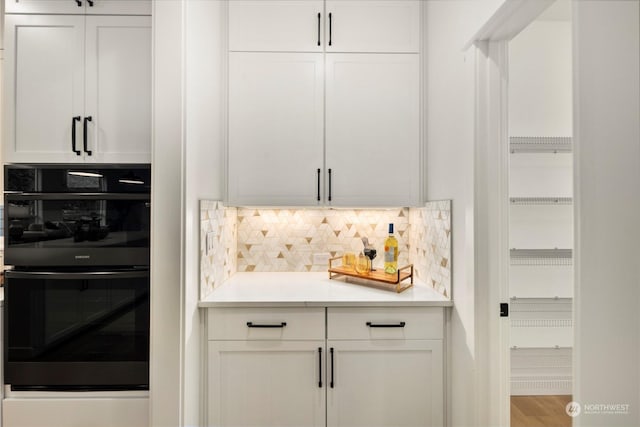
x=388, y=383
x=373, y=367
x=266, y=383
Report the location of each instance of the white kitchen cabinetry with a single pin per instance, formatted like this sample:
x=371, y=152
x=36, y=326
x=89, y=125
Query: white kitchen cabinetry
x=373, y=26
x=309, y=126
x=79, y=7
x=276, y=26
x=379, y=366
x=266, y=367
x=275, y=128
x=381, y=383
x=310, y=26
x=385, y=367
x=266, y=383
x=77, y=88
x=372, y=129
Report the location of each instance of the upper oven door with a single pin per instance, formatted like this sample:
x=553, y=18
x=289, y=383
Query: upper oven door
x=77, y=229
x=77, y=215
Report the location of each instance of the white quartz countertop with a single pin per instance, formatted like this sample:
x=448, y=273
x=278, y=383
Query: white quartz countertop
x=313, y=289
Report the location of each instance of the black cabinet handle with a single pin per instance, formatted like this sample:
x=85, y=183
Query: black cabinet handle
x=329, y=184
x=84, y=134
x=386, y=325
x=329, y=29
x=90, y=3
x=331, y=351
x=320, y=367
x=73, y=134
x=79, y=3
x=318, y=28
x=258, y=325
x=318, y=198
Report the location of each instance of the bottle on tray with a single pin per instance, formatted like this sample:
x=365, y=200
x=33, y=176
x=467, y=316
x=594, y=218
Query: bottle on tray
x=391, y=253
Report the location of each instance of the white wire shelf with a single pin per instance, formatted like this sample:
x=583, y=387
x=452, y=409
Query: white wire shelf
x=541, y=200
x=541, y=256
x=540, y=144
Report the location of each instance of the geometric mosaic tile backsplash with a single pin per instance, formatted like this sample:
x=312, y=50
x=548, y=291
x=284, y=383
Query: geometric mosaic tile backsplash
x=287, y=239
x=430, y=245
x=219, y=263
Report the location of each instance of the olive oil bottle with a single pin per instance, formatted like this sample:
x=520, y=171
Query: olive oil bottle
x=391, y=253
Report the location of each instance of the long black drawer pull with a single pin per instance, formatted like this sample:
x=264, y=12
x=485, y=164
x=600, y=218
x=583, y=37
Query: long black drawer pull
x=318, y=198
x=73, y=135
x=331, y=351
x=320, y=367
x=329, y=29
x=258, y=325
x=329, y=184
x=386, y=325
x=84, y=132
x=318, y=28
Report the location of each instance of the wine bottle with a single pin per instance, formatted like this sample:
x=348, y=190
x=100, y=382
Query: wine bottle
x=391, y=252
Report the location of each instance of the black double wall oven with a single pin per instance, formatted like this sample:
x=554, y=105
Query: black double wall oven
x=76, y=312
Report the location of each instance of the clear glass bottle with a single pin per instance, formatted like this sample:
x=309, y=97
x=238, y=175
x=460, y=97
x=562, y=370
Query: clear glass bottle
x=391, y=252
x=363, y=264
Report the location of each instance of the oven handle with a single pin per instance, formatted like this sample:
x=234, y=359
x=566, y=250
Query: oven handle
x=64, y=275
x=74, y=196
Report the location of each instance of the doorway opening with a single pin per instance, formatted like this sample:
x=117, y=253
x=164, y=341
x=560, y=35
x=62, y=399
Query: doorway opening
x=540, y=229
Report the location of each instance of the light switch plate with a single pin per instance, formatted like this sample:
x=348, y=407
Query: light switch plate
x=321, y=258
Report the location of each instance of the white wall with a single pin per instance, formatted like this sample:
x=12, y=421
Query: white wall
x=540, y=96
x=450, y=173
x=204, y=99
x=607, y=202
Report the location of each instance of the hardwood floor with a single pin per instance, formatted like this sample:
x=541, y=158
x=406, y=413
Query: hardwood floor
x=540, y=411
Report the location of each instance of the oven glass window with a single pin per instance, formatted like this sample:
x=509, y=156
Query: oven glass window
x=81, y=320
x=77, y=222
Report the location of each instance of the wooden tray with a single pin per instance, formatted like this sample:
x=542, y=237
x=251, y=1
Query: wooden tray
x=377, y=277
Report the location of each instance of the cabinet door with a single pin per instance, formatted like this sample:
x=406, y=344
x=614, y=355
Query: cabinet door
x=373, y=26
x=118, y=88
x=275, y=128
x=379, y=383
x=67, y=7
x=44, y=87
x=118, y=7
x=78, y=7
x=266, y=383
x=373, y=129
x=275, y=26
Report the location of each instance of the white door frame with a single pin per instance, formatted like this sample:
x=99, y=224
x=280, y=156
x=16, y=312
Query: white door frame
x=491, y=214
x=491, y=233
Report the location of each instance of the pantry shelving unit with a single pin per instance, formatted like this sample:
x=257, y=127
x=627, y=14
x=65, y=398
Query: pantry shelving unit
x=541, y=265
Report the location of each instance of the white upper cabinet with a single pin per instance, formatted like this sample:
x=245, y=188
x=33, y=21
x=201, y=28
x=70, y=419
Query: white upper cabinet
x=44, y=88
x=330, y=125
x=77, y=89
x=275, y=128
x=118, y=88
x=80, y=7
x=316, y=26
x=372, y=129
x=276, y=26
x=373, y=26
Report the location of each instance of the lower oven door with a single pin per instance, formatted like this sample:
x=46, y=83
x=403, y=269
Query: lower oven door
x=77, y=331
